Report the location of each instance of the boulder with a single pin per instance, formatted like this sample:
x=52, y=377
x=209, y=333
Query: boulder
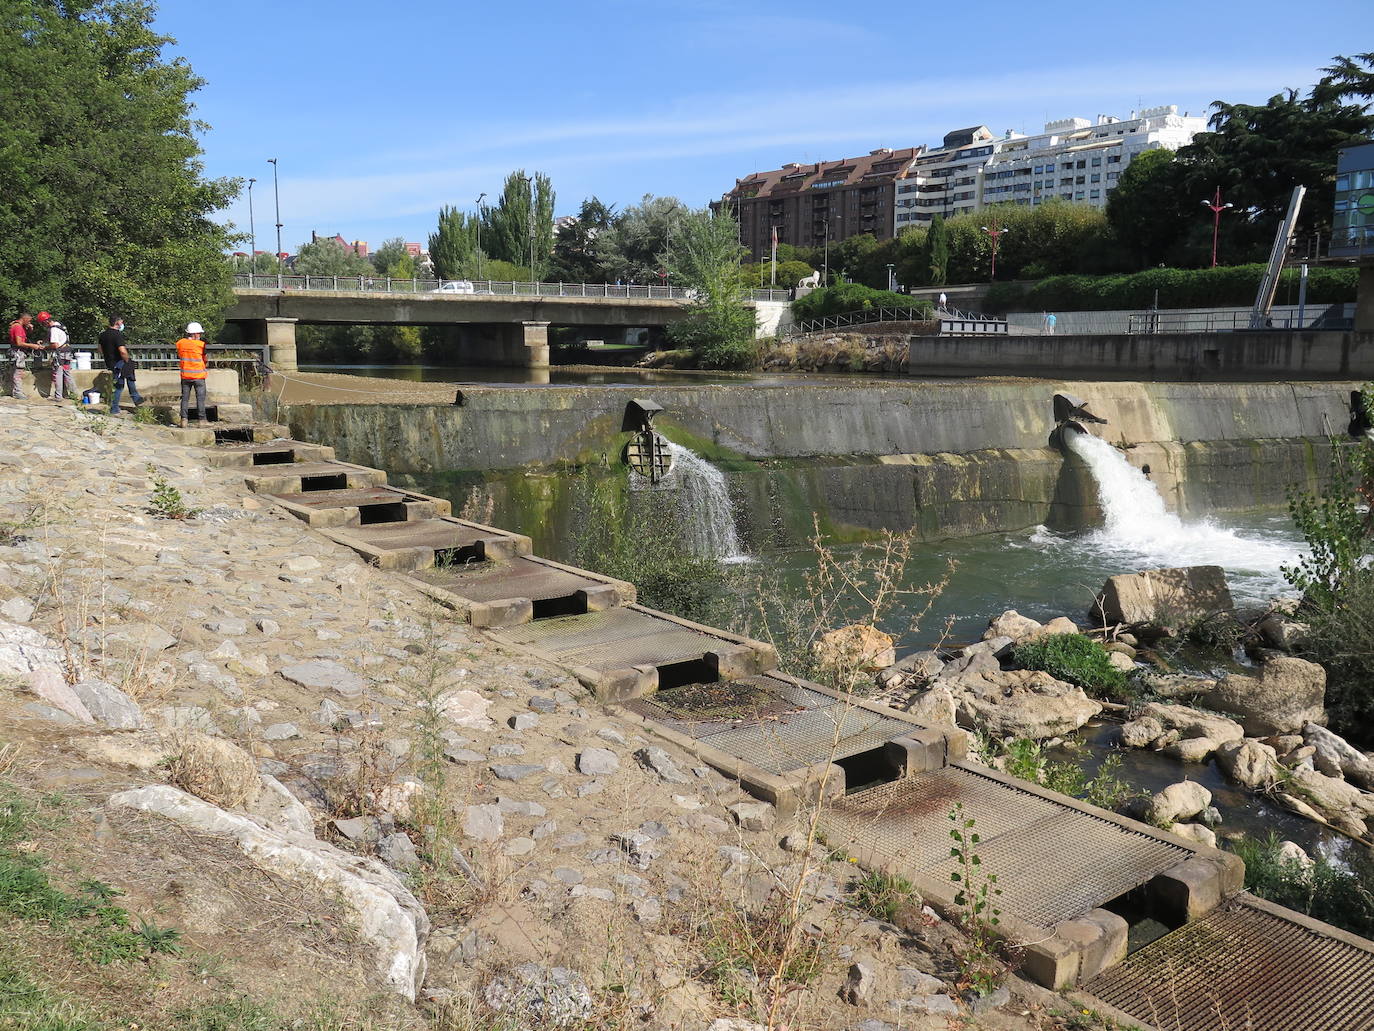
x=387, y=916
x=216, y=770
x=1190, y=749
x=1020, y=703
x=1119, y=661
x=1193, y=723
x=1288, y=694
x=855, y=648
x=1142, y=732
x=53, y=688
x=917, y=668
x=1282, y=631
x=1250, y=763
x=1293, y=854
x=1337, y=758
x=1177, y=802
x=1174, y=685
x=1058, y=625
x=1196, y=832
x=1330, y=795
x=933, y=708
x=974, y=662
x=109, y=705
x=1162, y=597
x=277, y=809
x=1014, y=625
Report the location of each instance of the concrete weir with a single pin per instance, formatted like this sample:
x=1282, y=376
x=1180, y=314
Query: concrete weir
x=949, y=458
x=1071, y=875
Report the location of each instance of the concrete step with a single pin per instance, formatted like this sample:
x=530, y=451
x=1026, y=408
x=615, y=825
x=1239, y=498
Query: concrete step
x=788, y=740
x=623, y=653
x=304, y=477
x=1065, y=869
x=521, y=589
x=268, y=453
x=221, y=412
x=363, y=506
x=424, y=543
x=216, y=433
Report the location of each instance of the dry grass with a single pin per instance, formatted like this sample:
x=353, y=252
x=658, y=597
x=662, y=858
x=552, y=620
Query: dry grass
x=213, y=769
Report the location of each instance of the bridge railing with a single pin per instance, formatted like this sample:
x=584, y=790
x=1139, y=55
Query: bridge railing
x=248, y=360
x=498, y=288
x=865, y=317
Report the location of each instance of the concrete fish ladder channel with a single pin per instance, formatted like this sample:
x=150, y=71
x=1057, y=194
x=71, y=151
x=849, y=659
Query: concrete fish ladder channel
x=1070, y=874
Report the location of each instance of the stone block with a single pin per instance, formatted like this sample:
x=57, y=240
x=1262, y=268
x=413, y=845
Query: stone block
x=1100, y=937
x=1163, y=597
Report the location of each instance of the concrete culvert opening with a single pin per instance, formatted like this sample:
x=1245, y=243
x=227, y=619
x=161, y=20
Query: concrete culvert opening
x=869, y=769
x=449, y=558
x=680, y=674
x=390, y=512
x=283, y=457
x=568, y=605
x=241, y=435
x=1146, y=914
x=325, y=481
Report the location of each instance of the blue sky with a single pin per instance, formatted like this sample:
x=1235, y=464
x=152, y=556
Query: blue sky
x=380, y=113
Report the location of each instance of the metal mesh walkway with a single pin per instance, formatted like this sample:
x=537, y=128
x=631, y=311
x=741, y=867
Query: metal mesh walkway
x=518, y=577
x=1245, y=966
x=1053, y=862
x=775, y=725
x=615, y=639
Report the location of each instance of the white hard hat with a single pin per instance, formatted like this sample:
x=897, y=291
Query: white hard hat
x=194, y=327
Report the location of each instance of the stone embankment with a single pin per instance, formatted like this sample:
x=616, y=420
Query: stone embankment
x=332, y=789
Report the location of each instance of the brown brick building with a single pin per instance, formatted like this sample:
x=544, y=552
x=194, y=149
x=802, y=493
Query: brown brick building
x=851, y=196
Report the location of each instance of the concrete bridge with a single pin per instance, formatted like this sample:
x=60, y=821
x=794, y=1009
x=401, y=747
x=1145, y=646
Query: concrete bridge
x=496, y=324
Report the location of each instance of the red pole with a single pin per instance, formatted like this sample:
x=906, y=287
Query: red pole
x=1217, y=208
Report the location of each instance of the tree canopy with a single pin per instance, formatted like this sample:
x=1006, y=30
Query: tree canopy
x=105, y=208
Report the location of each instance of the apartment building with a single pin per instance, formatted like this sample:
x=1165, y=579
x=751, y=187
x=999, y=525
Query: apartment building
x=1073, y=160
x=806, y=203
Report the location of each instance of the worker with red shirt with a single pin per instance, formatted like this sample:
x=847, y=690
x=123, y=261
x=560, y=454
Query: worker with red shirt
x=19, y=351
x=191, y=355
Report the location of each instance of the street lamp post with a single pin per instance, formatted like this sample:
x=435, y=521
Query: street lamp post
x=995, y=232
x=825, y=274
x=252, y=234
x=1217, y=208
x=276, y=196
x=891, y=277
x=478, y=205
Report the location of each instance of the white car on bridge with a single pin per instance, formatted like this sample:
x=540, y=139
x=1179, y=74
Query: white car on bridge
x=455, y=286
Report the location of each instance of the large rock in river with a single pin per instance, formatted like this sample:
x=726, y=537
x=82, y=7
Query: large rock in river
x=1184, y=722
x=1021, y=703
x=1288, y=694
x=1163, y=597
x=853, y=649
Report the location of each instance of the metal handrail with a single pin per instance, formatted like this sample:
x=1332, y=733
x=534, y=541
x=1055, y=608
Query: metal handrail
x=487, y=287
x=862, y=317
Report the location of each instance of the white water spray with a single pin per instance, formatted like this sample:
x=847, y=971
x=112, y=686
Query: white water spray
x=1142, y=534
x=702, y=499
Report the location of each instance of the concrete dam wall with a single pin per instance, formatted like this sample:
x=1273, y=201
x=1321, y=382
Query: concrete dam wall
x=948, y=458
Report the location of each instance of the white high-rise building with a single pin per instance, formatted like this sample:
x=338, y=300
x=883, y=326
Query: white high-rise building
x=1073, y=160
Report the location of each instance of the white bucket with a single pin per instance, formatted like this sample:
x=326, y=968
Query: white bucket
x=82, y=361
x=91, y=397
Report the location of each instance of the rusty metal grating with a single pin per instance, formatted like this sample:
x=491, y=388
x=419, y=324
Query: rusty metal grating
x=1244, y=967
x=518, y=577
x=614, y=639
x=1050, y=857
x=699, y=710
x=799, y=740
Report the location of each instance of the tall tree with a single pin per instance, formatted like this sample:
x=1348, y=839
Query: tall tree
x=105, y=208
x=453, y=246
x=937, y=252
x=704, y=255
x=1146, y=209
x=327, y=257
x=392, y=259
x=574, y=260
x=632, y=249
x=510, y=233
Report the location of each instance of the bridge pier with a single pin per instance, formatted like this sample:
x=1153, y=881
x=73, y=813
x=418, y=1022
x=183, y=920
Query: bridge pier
x=523, y=345
x=280, y=335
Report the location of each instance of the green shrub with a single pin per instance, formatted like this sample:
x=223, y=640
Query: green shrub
x=1326, y=892
x=851, y=297
x=1074, y=658
x=882, y=895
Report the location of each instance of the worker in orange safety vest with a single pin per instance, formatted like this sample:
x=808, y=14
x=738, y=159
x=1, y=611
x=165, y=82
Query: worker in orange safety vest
x=191, y=355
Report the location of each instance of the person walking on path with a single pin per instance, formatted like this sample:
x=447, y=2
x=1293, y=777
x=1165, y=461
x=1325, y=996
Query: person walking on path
x=120, y=363
x=20, y=350
x=191, y=355
x=60, y=353
x=1050, y=319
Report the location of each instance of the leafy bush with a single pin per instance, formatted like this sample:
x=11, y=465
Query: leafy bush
x=1326, y=892
x=849, y=297
x=1337, y=585
x=1074, y=658
x=1026, y=759
x=1177, y=288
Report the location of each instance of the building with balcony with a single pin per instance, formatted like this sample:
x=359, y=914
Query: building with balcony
x=1073, y=160
x=806, y=203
